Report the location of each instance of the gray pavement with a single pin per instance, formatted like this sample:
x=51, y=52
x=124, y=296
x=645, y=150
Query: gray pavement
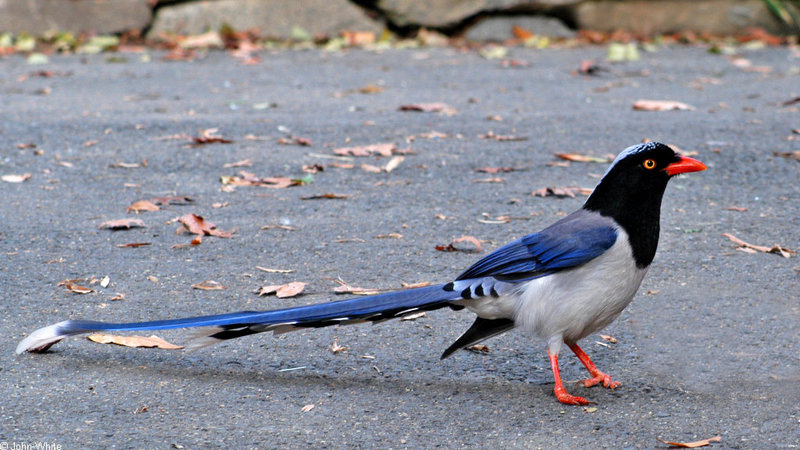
x=708, y=347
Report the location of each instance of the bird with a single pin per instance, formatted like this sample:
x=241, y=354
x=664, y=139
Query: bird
x=561, y=284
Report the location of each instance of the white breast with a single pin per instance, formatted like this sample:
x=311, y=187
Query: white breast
x=574, y=303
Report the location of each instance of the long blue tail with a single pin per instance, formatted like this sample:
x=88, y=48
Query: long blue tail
x=374, y=308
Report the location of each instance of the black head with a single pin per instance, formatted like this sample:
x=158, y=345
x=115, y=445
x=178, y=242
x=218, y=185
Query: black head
x=630, y=192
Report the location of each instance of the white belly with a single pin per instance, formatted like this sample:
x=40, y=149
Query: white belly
x=574, y=303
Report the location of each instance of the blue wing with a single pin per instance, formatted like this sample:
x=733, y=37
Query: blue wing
x=572, y=241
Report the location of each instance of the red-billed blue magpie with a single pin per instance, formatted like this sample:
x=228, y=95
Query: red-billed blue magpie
x=561, y=284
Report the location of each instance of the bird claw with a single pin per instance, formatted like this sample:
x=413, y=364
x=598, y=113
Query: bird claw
x=568, y=399
x=598, y=378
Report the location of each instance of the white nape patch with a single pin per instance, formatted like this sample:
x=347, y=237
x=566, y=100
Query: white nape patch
x=571, y=304
x=42, y=338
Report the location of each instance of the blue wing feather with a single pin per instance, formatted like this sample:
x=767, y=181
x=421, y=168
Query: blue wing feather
x=572, y=241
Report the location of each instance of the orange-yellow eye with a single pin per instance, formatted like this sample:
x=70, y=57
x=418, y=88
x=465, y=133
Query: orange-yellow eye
x=649, y=164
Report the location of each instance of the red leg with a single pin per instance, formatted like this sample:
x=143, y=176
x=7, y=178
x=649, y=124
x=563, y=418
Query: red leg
x=561, y=393
x=597, y=375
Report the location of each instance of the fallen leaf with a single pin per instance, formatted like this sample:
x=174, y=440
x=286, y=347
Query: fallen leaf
x=119, y=296
x=415, y=285
x=608, y=338
x=90, y=143
x=197, y=225
x=490, y=180
x=367, y=150
x=283, y=290
x=695, y=444
x=736, y=208
x=134, y=244
x=389, y=236
x=249, y=179
x=660, y=105
x=307, y=408
x=793, y=155
x=751, y=248
x=242, y=163
x=172, y=200
x=326, y=196
x=393, y=163
x=499, y=169
x=521, y=33
x=575, y=157
x=124, y=165
x=133, y=341
x=268, y=270
x=561, y=192
x=120, y=224
x=371, y=168
x=209, y=136
x=142, y=205
x=412, y=316
x=371, y=89
x=501, y=137
x=77, y=289
x=209, y=285
x=479, y=348
x=451, y=247
x=313, y=168
x=439, y=107
x=345, y=288
x=11, y=178
x=336, y=348
x=293, y=140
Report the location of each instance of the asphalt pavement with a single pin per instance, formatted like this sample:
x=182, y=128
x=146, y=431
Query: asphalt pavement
x=709, y=346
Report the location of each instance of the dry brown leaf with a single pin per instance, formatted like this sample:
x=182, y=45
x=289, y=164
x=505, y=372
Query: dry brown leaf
x=367, y=150
x=209, y=285
x=124, y=165
x=133, y=244
x=371, y=168
x=142, y=205
x=494, y=170
x=336, y=348
x=371, y=89
x=249, y=179
x=345, y=288
x=490, y=180
x=442, y=108
x=77, y=289
x=389, y=236
x=268, y=270
x=736, y=208
x=242, y=163
x=172, y=200
x=119, y=296
x=793, y=155
x=412, y=316
x=752, y=248
x=208, y=136
x=695, y=444
x=451, y=247
x=307, y=408
x=521, y=33
x=197, y=225
x=415, y=285
x=11, y=178
x=90, y=143
x=660, y=105
x=575, y=157
x=393, y=163
x=502, y=137
x=312, y=168
x=608, y=338
x=120, y=224
x=294, y=140
x=326, y=196
x=133, y=341
x=561, y=192
x=283, y=290
x=479, y=348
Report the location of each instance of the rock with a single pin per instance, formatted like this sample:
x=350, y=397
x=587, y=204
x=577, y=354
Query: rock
x=445, y=13
x=666, y=16
x=498, y=28
x=272, y=18
x=99, y=16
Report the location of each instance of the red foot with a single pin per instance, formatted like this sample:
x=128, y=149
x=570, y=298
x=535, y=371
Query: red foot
x=564, y=397
x=598, y=378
